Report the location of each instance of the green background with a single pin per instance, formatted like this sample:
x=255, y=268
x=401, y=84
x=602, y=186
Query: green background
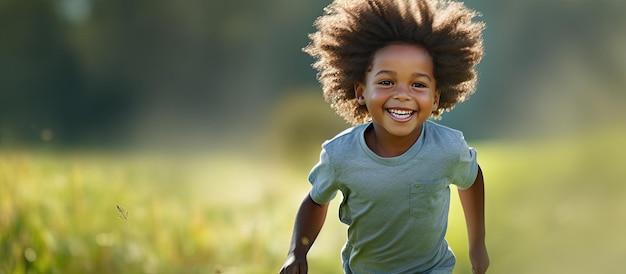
x=201, y=119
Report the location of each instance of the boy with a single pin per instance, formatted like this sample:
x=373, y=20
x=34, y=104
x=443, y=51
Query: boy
x=387, y=66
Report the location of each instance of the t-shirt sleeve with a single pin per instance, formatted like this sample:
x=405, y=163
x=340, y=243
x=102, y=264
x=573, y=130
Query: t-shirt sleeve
x=467, y=169
x=322, y=179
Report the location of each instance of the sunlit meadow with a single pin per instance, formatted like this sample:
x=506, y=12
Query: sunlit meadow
x=553, y=70
x=553, y=206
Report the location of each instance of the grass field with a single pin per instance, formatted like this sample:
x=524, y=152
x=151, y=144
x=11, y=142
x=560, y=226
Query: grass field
x=555, y=206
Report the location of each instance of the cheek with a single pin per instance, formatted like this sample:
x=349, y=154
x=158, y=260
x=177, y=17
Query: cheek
x=434, y=97
x=374, y=95
x=426, y=97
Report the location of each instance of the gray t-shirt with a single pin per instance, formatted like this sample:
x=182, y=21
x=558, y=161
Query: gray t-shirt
x=396, y=208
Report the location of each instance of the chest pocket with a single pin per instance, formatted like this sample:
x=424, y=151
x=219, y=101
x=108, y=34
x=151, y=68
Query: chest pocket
x=429, y=198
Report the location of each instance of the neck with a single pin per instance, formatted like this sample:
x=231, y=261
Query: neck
x=386, y=145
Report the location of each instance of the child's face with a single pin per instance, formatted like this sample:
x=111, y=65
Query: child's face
x=399, y=90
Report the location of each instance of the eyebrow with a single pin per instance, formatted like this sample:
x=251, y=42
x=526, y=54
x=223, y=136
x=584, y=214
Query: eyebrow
x=418, y=74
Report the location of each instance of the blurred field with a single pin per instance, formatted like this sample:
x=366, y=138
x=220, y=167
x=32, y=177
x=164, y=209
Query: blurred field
x=554, y=206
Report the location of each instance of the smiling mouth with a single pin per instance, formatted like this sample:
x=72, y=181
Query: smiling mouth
x=401, y=114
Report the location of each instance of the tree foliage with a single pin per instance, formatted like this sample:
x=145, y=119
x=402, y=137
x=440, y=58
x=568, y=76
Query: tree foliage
x=106, y=72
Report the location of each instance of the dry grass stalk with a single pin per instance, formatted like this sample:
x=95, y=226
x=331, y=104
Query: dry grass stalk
x=123, y=213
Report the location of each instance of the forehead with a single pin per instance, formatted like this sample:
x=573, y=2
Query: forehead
x=402, y=55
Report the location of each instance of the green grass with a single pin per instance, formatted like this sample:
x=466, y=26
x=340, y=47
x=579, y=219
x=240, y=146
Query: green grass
x=555, y=206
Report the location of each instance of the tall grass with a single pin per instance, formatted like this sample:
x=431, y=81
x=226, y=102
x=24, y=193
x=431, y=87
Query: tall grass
x=58, y=214
x=554, y=206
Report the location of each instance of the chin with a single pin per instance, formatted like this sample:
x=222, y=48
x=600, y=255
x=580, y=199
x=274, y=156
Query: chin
x=404, y=131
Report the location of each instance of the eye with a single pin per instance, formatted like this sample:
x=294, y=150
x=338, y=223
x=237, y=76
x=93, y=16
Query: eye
x=385, y=83
x=418, y=85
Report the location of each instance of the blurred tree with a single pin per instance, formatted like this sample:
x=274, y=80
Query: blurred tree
x=200, y=66
x=100, y=72
x=37, y=70
x=42, y=88
x=541, y=58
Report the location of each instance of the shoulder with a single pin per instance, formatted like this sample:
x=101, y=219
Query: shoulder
x=444, y=141
x=346, y=138
x=443, y=133
x=343, y=145
x=452, y=152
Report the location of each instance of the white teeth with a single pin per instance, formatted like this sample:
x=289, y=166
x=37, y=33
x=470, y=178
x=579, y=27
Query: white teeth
x=400, y=114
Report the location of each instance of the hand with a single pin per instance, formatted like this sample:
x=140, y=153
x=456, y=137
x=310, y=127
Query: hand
x=295, y=265
x=479, y=259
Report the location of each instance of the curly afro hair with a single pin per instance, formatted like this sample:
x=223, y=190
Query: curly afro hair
x=351, y=31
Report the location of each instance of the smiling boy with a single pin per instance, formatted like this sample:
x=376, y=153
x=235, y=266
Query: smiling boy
x=387, y=66
x=399, y=93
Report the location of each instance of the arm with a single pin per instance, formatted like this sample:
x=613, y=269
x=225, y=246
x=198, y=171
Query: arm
x=309, y=222
x=473, y=202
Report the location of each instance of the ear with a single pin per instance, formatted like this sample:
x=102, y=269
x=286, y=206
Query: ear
x=437, y=97
x=358, y=93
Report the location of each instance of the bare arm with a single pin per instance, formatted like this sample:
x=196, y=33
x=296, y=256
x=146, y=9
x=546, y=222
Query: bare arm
x=309, y=221
x=473, y=202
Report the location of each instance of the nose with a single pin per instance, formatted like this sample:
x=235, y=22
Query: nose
x=401, y=93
